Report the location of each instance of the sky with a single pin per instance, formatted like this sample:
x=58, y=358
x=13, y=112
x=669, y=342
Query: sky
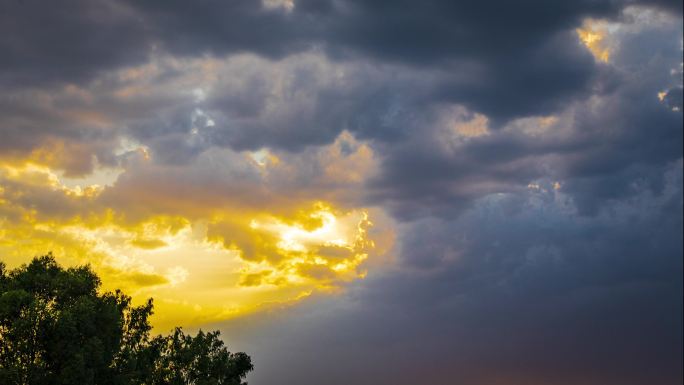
x=363, y=192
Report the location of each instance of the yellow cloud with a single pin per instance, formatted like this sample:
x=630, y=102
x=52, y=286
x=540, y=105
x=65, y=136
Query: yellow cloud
x=148, y=243
x=210, y=260
x=593, y=35
x=318, y=248
x=477, y=126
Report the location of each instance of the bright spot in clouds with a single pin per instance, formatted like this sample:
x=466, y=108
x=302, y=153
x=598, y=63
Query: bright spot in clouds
x=198, y=270
x=593, y=36
x=286, y=5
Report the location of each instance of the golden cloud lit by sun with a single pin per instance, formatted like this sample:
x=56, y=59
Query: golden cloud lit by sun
x=319, y=248
x=593, y=35
x=202, y=259
x=221, y=235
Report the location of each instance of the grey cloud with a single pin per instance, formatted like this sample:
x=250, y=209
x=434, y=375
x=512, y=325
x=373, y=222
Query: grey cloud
x=220, y=27
x=520, y=289
x=508, y=43
x=307, y=100
x=68, y=136
x=599, y=148
x=512, y=47
x=67, y=41
x=527, y=45
x=364, y=101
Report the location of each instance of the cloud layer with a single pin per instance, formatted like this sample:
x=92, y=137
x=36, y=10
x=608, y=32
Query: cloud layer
x=400, y=192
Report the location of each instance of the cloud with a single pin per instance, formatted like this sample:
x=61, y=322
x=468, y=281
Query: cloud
x=224, y=241
x=598, y=145
x=180, y=106
x=520, y=163
x=519, y=289
x=67, y=42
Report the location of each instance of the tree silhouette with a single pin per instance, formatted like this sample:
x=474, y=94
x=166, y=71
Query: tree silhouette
x=56, y=329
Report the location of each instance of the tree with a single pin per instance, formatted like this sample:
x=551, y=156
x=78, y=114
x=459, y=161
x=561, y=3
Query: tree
x=55, y=328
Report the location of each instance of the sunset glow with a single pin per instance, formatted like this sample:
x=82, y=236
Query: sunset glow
x=359, y=192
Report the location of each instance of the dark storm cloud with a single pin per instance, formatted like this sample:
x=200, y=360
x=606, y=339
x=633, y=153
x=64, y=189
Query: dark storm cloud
x=600, y=148
x=220, y=27
x=578, y=282
x=507, y=61
x=309, y=100
x=529, y=62
x=629, y=135
x=670, y=5
x=524, y=44
x=509, y=45
x=518, y=290
x=66, y=41
x=504, y=47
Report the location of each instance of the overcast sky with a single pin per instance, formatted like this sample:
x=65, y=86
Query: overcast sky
x=363, y=192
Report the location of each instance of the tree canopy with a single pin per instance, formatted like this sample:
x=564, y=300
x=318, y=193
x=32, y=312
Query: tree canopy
x=56, y=328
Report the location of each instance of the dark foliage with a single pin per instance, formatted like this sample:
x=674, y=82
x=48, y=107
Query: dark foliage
x=55, y=328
